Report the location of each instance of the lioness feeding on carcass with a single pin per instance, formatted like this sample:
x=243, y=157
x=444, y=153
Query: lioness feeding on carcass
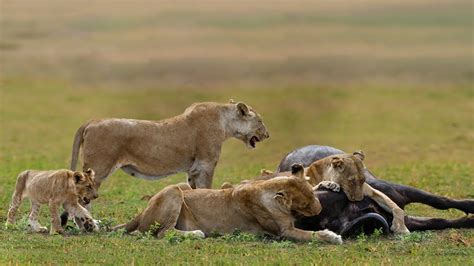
x=346, y=172
x=343, y=216
x=264, y=206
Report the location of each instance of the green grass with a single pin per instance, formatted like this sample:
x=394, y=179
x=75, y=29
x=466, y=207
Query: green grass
x=394, y=80
x=408, y=139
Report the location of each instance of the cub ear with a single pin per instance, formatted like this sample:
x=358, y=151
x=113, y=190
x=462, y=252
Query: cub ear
x=297, y=170
x=231, y=101
x=265, y=172
x=359, y=154
x=338, y=164
x=77, y=177
x=282, y=198
x=90, y=172
x=242, y=109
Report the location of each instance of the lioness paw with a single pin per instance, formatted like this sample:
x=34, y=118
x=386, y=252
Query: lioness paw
x=196, y=233
x=399, y=228
x=333, y=186
x=199, y=233
x=329, y=236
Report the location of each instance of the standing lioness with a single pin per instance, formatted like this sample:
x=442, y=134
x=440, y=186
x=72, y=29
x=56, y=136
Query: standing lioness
x=190, y=142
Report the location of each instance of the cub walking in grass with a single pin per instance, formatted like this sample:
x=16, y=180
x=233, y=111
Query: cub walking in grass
x=55, y=187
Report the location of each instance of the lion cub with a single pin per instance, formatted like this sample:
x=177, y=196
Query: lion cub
x=54, y=188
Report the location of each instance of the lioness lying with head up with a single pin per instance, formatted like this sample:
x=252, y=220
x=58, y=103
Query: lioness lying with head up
x=265, y=206
x=346, y=172
x=55, y=188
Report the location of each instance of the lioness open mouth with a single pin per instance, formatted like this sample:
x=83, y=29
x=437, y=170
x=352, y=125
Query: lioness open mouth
x=253, y=141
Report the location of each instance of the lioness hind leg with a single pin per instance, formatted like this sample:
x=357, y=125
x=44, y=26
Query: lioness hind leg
x=163, y=211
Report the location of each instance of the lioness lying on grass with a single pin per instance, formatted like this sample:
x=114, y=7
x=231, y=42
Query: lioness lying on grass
x=55, y=188
x=265, y=206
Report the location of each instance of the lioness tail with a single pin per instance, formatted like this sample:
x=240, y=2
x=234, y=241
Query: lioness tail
x=78, y=139
x=130, y=226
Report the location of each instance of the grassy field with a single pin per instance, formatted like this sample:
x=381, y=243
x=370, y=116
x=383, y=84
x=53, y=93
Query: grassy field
x=394, y=79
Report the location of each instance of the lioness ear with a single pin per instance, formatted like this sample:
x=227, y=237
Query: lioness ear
x=77, y=177
x=242, y=109
x=297, y=170
x=359, y=154
x=337, y=163
x=282, y=198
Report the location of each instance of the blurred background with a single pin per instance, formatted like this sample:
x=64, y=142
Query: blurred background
x=222, y=44
x=393, y=78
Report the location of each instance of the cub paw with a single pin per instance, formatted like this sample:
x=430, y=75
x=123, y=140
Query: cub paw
x=9, y=226
x=57, y=231
x=90, y=225
x=36, y=227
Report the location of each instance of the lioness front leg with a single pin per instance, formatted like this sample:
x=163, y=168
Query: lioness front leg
x=306, y=236
x=333, y=186
x=398, y=223
x=201, y=173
